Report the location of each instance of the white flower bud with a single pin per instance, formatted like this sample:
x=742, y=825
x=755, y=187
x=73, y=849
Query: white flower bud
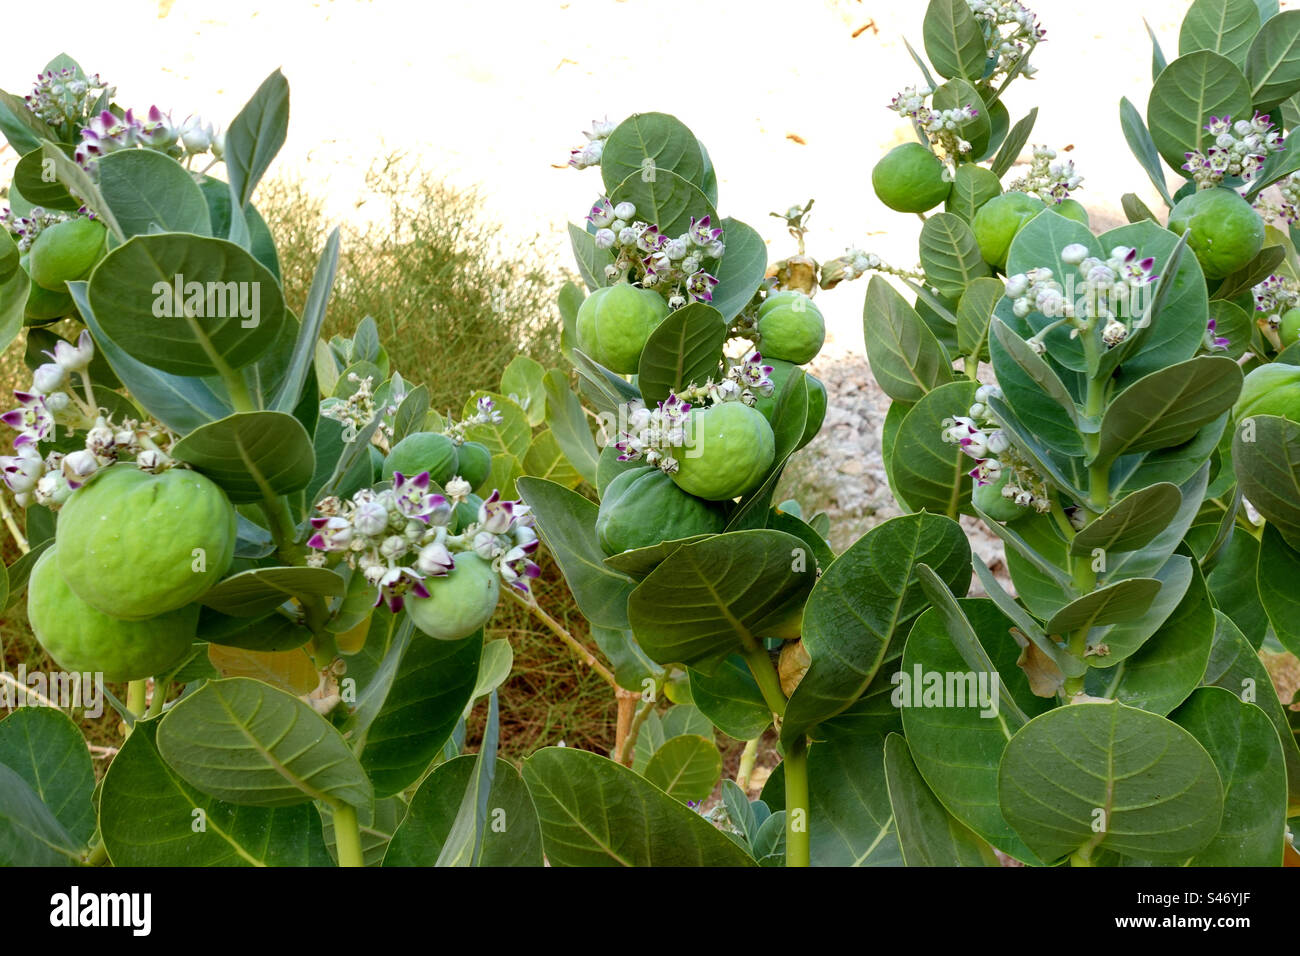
x=48, y=378
x=625, y=210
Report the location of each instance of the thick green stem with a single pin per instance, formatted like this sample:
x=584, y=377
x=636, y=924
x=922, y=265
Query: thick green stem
x=98, y=855
x=347, y=835
x=798, y=850
x=135, y=695
x=748, y=757
x=769, y=684
x=159, y=698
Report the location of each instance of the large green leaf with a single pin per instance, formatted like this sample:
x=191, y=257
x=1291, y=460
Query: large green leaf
x=259, y=591
x=686, y=767
x=978, y=131
x=1279, y=572
x=972, y=187
x=952, y=715
x=730, y=698
x=1032, y=387
x=246, y=742
x=1168, y=407
x=252, y=456
x=866, y=597
x=568, y=423
x=927, y=473
x=1143, y=147
x=133, y=295
x=927, y=834
x=313, y=319
x=1246, y=750
x=150, y=816
x=1109, y=776
x=30, y=835
x=1226, y=27
x=1266, y=456
x=1186, y=94
x=149, y=191
x=591, y=259
x=566, y=522
x=44, y=747
x=950, y=255
x=974, y=312
x=741, y=270
x=1130, y=523
x=256, y=135
x=954, y=40
x=594, y=812
x=685, y=348
x=720, y=596
x=1010, y=149
x=1121, y=601
x=665, y=199
x=648, y=143
x=1273, y=61
x=906, y=359
x=512, y=836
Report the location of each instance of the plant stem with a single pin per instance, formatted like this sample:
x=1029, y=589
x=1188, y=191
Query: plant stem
x=12, y=526
x=798, y=850
x=347, y=835
x=98, y=855
x=159, y=698
x=748, y=756
x=569, y=640
x=769, y=683
x=135, y=694
x=626, y=749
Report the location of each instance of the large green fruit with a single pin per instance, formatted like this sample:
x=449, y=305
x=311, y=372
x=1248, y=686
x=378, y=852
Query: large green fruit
x=614, y=324
x=424, y=451
x=465, y=513
x=1289, y=329
x=474, y=462
x=816, y=398
x=988, y=498
x=1226, y=233
x=997, y=222
x=732, y=449
x=790, y=328
x=42, y=304
x=135, y=545
x=82, y=639
x=66, y=252
x=1270, y=390
x=460, y=602
x=643, y=507
x=910, y=179
x=608, y=467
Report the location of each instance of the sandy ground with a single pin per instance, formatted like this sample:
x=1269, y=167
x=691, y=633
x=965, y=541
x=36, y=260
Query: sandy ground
x=789, y=101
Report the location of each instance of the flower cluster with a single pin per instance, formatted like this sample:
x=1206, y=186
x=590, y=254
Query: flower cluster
x=589, y=154
x=53, y=400
x=1049, y=178
x=1274, y=297
x=1110, y=292
x=25, y=229
x=67, y=97
x=357, y=410
x=857, y=262
x=399, y=537
x=1285, y=209
x=485, y=413
x=979, y=437
x=1013, y=35
x=745, y=380
x=109, y=132
x=1239, y=150
x=941, y=128
x=672, y=265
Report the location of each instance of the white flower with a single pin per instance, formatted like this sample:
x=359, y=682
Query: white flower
x=1074, y=253
x=48, y=378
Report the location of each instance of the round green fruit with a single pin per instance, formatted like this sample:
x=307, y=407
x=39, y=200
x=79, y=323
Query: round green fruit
x=1226, y=233
x=135, y=545
x=421, y=452
x=465, y=513
x=910, y=178
x=988, y=498
x=66, y=252
x=42, y=304
x=816, y=398
x=997, y=222
x=614, y=324
x=1072, y=209
x=1289, y=330
x=82, y=639
x=474, y=462
x=792, y=329
x=1270, y=390
x=460, y=602
x=731, y=449
x=643, y=507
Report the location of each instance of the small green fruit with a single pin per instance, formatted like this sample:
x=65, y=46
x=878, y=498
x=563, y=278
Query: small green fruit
x=423, y=451
x=1270, y=390
x=135, y=545
x=910, y=178
x=732, y=448
x=988, y=498
x=1289, y=330
x=643, y=507
x=614, y=323
x=66, y=252
x=460, y=602
x=1226, y=233
x=82, y=639
x=997, y=222
x=791, y=328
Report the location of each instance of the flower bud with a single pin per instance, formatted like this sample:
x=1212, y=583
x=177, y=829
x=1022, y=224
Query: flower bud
x=48, y=378
x=625, y=210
